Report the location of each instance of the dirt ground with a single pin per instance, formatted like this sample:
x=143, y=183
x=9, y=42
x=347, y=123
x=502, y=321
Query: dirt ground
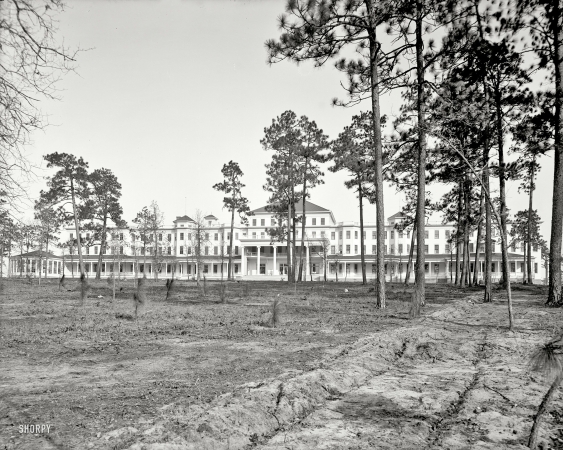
x=195, y=373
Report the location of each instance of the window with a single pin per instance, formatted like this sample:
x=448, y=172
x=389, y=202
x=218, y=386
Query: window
x=272, y=222
x=392, y=234
x=254, y=235
x=535, y=267
x=340, y=249
x=169, y=237
x=426, y=234
x=262, y=235
x=426, y=267
x=535, y=247
x=215, y=250
x=71, y=235
x=205, y=268
x=253, y=222
x=314, y=234
x=236, y=249
x=181, y=236
x=373, y=249
x=333, y=249
x=206, y=236
x=181, y=249
x=447, y=233
x=355, y=235
x=160, y=237
x=207, y=250
x=385, y=248
x=392, y=248
x=373, y=235
x=400, y=249
x=332, y=235
x=214, y=268
x=348, y=249
x=355, y=249
x=513, y=247
x=189, y=250
x=426, y=249
x=400, y=234
x=348, y=234
x=447, y=248
x=385, y=234
x=169, y=250
x=340, y=234
x=121, y=250
x=436, y=249
x=493, y=247
x=189, y=236
x=322, y=221
x=96, y=250
x=513, y=267
x=314, y=221
x=216, y=237
x=471, y=247
x=323, y=234
x=437, y=234
x=87, y=250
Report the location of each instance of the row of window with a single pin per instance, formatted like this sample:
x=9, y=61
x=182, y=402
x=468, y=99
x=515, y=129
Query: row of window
x=273, y=221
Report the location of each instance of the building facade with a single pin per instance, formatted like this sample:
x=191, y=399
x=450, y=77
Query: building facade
x=331, y=248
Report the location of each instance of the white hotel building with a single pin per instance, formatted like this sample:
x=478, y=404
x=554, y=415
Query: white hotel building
x=257, y=257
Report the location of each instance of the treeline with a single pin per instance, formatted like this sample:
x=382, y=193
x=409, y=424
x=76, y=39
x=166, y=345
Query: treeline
x=466, y=70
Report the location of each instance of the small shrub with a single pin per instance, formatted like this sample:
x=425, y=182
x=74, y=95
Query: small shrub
x=84, y=288
x=204, y=285
x=276, y=313
x=223, y=293
x=62, y=282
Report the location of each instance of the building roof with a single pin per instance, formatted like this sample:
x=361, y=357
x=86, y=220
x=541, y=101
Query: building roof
x=397, y=215
x=182, y=218
x=309, y=207
x=210, y=217
x=37, y=254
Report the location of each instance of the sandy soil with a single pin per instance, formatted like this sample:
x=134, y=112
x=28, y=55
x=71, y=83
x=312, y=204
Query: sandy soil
x=195, y=373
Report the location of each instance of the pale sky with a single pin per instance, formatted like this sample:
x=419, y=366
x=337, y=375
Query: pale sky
x=171, y=90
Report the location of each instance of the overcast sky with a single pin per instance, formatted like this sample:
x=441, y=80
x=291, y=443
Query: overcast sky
x=171, y=90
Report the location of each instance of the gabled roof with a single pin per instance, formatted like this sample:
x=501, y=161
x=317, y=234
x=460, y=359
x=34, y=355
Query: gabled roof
x=309, y=207
x=397, y=215
x=210, y=217
x=183, y=218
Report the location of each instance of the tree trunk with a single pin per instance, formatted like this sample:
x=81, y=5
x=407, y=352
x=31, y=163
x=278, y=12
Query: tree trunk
x=103, y=244
x=76, y=227
x=289, y=277
x=530, y=212
x=554, y=294
x=377, y=155
x=466, y=254
x=230, y=267
x=524, y=264
x=419, y=292
x=303, y=220
x=411, y=252
x=501, y=176
x=538, y=419
x=477, y=263
x=458, y=234
x=362, y=252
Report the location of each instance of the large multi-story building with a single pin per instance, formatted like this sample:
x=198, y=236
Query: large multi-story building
x=331, y=247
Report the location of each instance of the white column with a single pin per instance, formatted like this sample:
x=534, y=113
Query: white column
x=274, y=272
x=258, y=260
x=243, y=261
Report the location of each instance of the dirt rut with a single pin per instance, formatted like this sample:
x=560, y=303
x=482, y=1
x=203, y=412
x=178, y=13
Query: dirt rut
x=454, y=379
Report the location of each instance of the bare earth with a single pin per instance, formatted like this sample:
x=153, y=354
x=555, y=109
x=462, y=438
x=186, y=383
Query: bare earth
x=194, y=373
